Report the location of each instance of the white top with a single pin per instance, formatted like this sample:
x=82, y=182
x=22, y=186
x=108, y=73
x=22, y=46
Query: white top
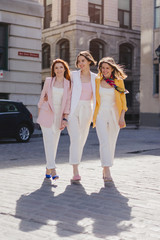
x=77, y=89
x=107, y=108
x=57, y=94
x=107, y=97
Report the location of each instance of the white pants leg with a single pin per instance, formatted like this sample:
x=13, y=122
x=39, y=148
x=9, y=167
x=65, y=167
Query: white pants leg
x=107, y=131
x=78, y=129
x=50, y=139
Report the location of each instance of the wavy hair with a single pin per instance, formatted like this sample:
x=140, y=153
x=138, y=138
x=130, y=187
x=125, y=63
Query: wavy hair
x=118, y=71
x=87, y=56
x=66, y=67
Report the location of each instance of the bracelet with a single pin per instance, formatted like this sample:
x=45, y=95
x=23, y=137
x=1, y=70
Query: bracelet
x=65, y=119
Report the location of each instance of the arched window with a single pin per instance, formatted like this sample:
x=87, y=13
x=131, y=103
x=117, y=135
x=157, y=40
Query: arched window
x=64, y=50
x=125, y=55
x=45, y=56
x=97, y=49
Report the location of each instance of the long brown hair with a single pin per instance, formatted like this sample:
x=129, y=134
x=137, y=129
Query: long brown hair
x=87, y=56
x=118, y=71
x=66, y=67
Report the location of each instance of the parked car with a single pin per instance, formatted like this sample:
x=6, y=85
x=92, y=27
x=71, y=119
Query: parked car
x=15, y=121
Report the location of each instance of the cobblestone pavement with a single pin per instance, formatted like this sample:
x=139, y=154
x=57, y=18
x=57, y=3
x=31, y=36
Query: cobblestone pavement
x=32, y=208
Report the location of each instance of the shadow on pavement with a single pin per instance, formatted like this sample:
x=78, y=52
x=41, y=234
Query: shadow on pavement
x=74, y=211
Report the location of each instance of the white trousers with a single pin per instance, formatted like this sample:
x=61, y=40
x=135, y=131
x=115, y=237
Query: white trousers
x=107, y=130
x=50, y=138
x=78, y=129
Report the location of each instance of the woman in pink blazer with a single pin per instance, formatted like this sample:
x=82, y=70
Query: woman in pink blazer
x=53, y=113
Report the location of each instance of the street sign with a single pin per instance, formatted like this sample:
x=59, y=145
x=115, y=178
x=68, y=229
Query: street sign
x=28, y=54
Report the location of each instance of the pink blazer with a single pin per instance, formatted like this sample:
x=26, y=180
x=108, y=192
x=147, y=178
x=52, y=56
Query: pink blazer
x=46, y=113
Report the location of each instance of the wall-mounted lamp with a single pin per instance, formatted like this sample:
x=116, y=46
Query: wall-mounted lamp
x=157, y=51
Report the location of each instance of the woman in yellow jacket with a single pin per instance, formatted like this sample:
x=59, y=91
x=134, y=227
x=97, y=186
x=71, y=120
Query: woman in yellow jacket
x=109, y=114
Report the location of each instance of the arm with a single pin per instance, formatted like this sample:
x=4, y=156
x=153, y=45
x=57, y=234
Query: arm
x=67, y=107
x=44, y=92
x=122, y=122
x=68, y=101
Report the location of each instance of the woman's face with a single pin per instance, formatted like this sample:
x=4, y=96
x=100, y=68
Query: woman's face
x=106, y=70
x=83, y=63
x=59, y=70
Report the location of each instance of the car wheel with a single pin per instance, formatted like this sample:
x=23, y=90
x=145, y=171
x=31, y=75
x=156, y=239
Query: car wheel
x=23, y=133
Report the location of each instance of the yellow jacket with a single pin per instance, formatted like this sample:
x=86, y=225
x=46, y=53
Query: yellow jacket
x=120, y=98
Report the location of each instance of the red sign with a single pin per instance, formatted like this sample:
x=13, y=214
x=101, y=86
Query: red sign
x=28, y=54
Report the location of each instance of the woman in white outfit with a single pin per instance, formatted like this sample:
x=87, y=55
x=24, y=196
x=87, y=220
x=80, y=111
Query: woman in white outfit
x=83, y=93
x=54, y=110
x=109, y=114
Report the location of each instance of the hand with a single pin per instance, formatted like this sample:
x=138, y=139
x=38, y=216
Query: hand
x=63, y=125
x=122, y=121
x=46, y=97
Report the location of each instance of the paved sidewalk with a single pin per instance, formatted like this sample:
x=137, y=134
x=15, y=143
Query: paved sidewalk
x=32, y=208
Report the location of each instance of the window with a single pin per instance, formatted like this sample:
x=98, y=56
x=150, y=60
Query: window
x=47, y=13
x=3, y=46
x=124, y=13
x=7, y=107
x=64, y=50
x=125, y=56
x=97, y=49
x=157, y=13
x=4, y=95
x=95, y=11
x=156, y=79
x=45, y=56
x=65, y=10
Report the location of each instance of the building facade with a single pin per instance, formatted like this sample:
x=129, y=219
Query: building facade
x=150, y=64
x=104, y=27
x=20, y=51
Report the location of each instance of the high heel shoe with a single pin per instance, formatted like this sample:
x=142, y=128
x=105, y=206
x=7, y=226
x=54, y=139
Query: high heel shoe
x=55, y=177
x=48, y=173
x=76, y=179
x=48, y=176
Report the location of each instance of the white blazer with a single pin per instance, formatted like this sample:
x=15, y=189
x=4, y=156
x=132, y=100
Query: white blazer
x=77, y=89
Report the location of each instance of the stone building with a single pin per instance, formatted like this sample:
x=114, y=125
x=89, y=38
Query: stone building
x=150, y=64
x=20, y=51
x=104, y=27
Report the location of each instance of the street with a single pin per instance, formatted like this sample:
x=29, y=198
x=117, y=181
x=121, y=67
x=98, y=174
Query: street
x=34, y=208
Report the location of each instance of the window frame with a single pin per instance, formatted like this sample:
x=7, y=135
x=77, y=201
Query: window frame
x=98, y=42
x=156, y=79
x=130, y=17
x=63, y=5
x=102, y=9
x=122, y=54
x=64, y=41
x=5, y=47
x=46, y=22
x=46, y=45
x=155, y=11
